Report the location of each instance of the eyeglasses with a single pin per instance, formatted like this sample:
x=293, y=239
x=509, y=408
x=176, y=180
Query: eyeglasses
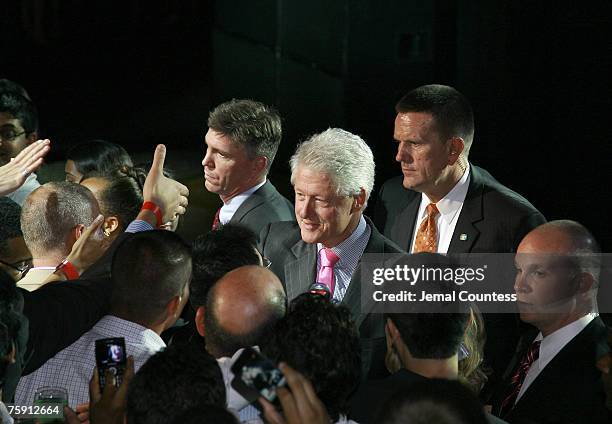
x=21, y=266
x=9, y=133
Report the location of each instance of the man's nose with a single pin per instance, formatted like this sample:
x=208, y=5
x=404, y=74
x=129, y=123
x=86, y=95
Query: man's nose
x=207, y=160
x=403, y=154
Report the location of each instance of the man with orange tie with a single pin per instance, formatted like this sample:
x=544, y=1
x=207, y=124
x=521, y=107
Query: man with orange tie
x=242, y=139
x=444, y=204
x=332, y=174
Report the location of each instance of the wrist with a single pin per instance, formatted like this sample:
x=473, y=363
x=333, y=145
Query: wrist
x=152, y=207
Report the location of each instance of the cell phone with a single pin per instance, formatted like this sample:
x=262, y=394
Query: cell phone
x=111, y=355
x=257, y=372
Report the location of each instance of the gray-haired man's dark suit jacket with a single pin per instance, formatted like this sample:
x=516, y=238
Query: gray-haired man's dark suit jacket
x=264, y=206
x=295, y=264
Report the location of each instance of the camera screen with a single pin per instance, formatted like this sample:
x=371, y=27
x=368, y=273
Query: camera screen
x=260, y=374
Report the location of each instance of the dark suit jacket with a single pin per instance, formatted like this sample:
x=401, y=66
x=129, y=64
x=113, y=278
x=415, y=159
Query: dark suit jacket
x=263, y=207
x=493, y=219
x=295, y=264
x=569, y=389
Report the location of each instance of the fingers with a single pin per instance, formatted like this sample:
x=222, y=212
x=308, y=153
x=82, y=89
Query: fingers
x=270, y=413
x=159, y=158
x=33, y=152
x=183, y=190
x=70, y=416
x=94, y=387
x=87, y=232
x=82, y=411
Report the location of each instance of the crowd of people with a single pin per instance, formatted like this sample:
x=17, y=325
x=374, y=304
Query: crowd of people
x=283, y=282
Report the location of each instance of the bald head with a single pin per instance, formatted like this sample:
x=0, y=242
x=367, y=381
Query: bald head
x=557, y=271
x=241, y=309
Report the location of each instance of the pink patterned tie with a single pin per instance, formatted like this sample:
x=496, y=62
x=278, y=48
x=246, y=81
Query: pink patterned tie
x=327, y=259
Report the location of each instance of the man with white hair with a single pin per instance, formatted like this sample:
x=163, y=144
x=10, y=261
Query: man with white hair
x=332, y=174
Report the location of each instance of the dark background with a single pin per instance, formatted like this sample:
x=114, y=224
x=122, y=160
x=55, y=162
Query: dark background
x=140, y=73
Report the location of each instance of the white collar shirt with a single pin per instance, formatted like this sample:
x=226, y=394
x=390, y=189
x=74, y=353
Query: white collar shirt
x=450, y=207
x=229, y=209
x=18, y=196
x=551, y=345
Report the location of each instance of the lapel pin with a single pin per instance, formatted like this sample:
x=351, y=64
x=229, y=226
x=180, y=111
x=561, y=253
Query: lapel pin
x=463, y=237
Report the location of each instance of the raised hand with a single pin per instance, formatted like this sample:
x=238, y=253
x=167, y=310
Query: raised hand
x=15, y=173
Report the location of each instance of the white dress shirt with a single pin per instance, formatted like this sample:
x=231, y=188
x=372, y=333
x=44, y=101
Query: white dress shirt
x=551, y=345
x=449, y=207
x=35, y=277
x=349, y=252
x=229, y=209
x=72, y=367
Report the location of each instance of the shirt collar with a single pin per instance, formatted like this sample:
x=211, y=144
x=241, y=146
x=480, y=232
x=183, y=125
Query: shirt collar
x=554, y=342
x=351, y=243
x=450, y=204
x=113, y=326
x=229, y=209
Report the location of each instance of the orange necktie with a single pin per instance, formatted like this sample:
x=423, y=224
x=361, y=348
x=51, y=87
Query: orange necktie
x=427, y=236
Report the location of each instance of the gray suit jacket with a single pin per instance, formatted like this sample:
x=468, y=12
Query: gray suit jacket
x=263, y=207
x=295, y=264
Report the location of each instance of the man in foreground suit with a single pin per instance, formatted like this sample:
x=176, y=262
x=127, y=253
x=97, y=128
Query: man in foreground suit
x=553, y=376
x=444, y=204
x=333, y=175
x=242, y=140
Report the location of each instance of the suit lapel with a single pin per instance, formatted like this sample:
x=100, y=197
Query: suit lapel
x=404, y=223
x=466, y=233
x=254, y=200
x=300, y=272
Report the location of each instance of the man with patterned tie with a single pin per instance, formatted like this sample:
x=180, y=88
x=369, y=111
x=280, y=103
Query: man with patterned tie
x=332, y=174
x=444, y=204
x=242, y=139
x=553, y=376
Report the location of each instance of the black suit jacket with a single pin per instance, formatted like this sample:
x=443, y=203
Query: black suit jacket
x=493, y=219
x=264, y=206
x=295, y=264
x=569, y=389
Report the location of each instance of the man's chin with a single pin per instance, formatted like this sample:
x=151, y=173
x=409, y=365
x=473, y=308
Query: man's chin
x=212, y=188
x=310, y=236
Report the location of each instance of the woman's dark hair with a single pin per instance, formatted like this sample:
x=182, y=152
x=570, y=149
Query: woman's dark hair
x=100, y=156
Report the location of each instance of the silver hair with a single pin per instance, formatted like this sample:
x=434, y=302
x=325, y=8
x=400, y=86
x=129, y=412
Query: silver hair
x=51, y=211
x=345, y=157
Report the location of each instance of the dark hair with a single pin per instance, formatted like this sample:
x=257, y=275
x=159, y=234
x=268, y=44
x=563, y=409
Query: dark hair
x=11, y=304
x=8, y=86
x=252, y=124
x=215, y=254
x=206, y=414
x=321, y=341
x=450, y=109
x=99, y=156
x=433, y=401
x=19, y=107
x=10, y=226
x=46, y=220
x=149, y=269
x=226, y=343
x=122, y=197
x=173, y=381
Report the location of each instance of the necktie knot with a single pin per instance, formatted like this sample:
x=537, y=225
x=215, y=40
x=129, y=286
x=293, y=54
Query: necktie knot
x=328, y=257
x=432, y=210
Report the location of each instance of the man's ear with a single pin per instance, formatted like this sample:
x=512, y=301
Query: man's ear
x=586, y=282
x=391, y=330
x=172, y=308
x=199, y=321
x=10, y=357
x=359, y=201
x=75, y=234
x=456, y=146
x=110, y=224
x=260, y=164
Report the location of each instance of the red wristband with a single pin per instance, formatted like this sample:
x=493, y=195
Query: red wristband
x=68, y=270
x=150, y=206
